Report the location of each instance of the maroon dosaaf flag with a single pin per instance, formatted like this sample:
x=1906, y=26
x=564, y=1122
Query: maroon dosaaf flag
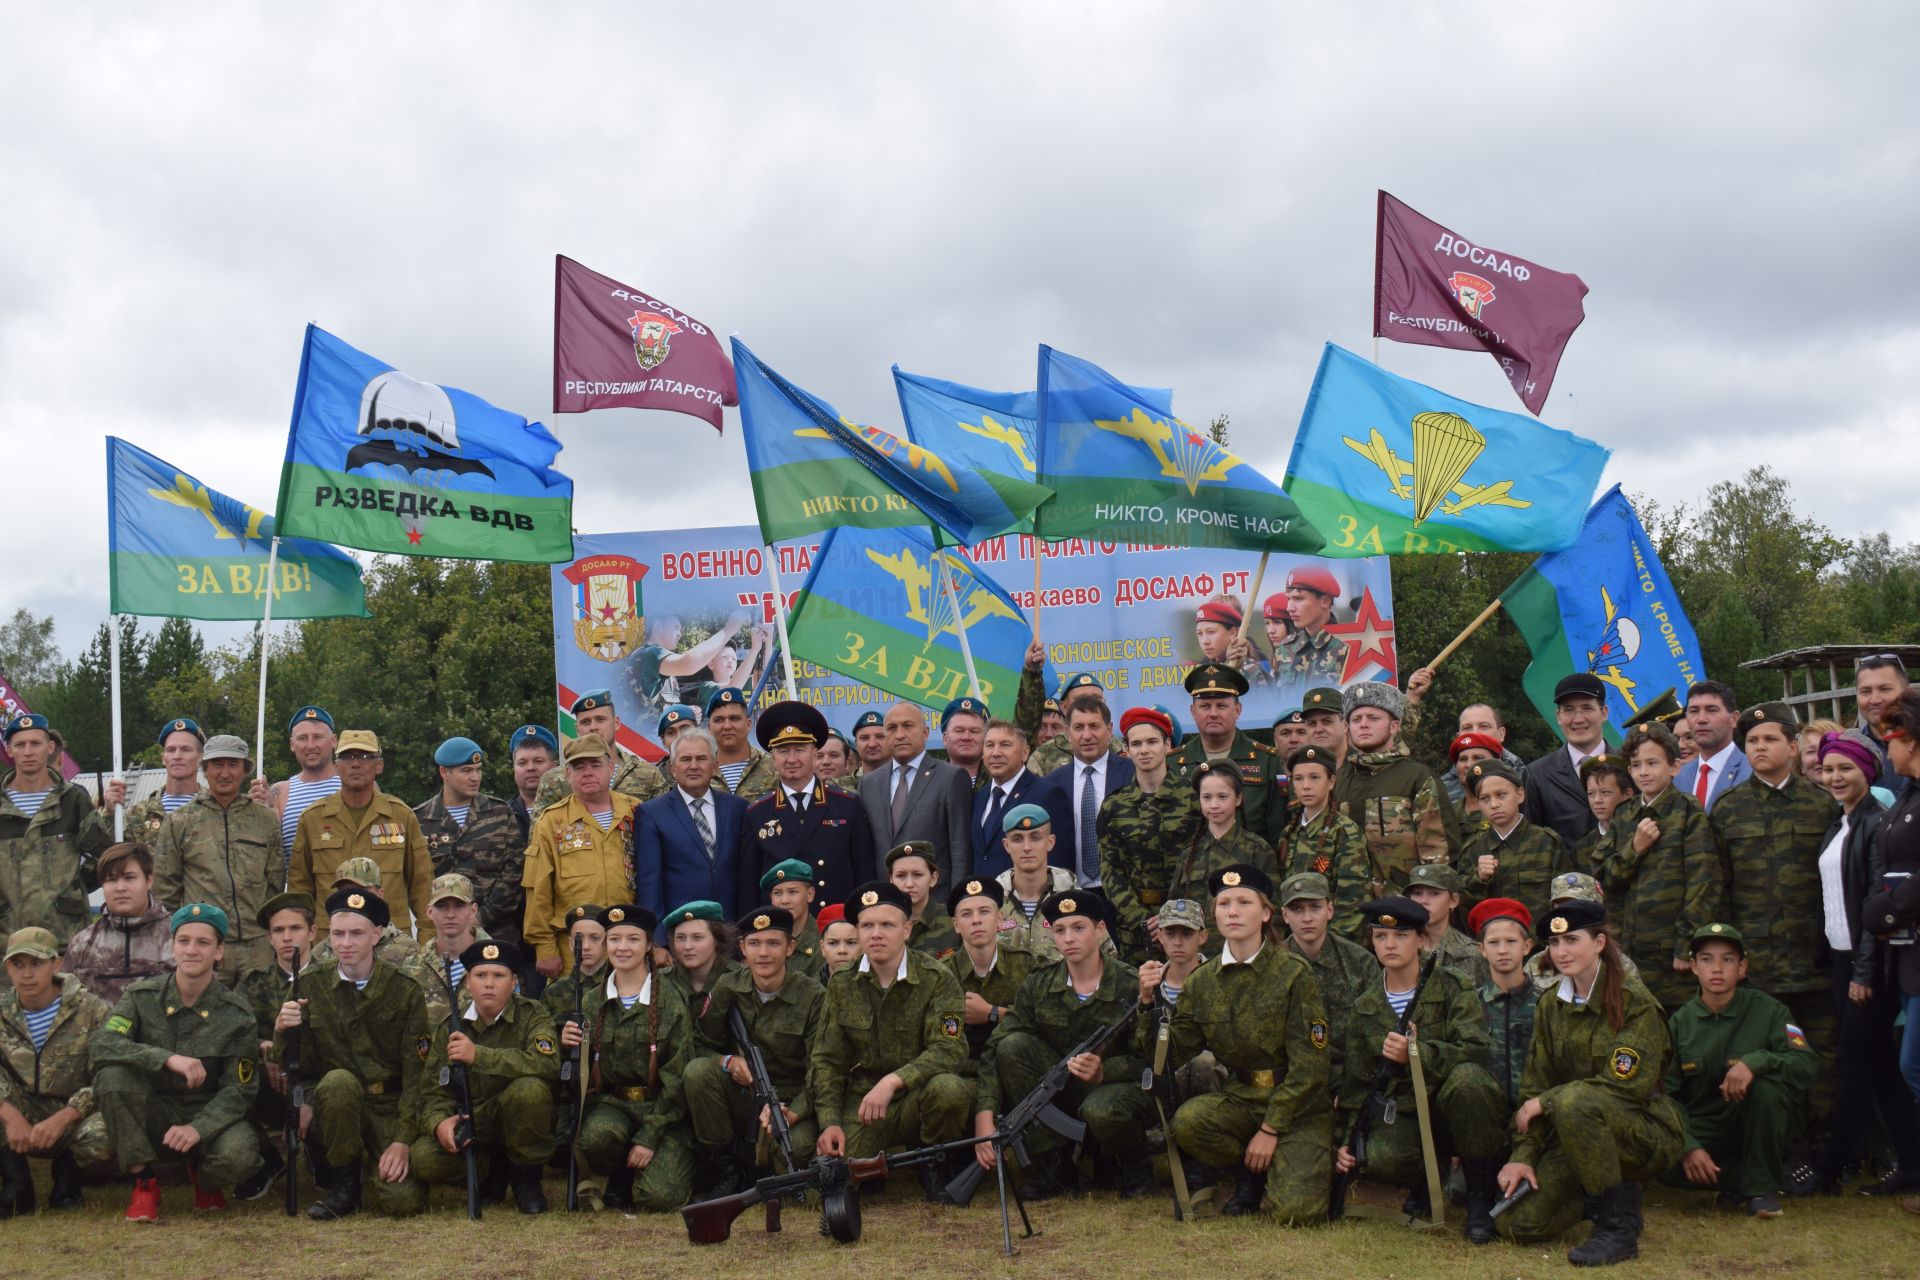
x=1434, y=288
x=615, y=347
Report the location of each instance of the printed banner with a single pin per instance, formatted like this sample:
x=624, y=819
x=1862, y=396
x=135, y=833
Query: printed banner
x=11, y=705
x=614, y=347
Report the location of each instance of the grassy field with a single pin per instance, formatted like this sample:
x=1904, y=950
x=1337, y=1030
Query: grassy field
x=1082, y=1237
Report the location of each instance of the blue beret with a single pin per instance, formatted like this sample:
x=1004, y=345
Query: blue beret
x=869, y=720
x=969, y=706
x=537, y=733
x=699, y=909
x=1174, y=739
x=305, y=714
x=24, y=721
x=592, y=700
x=1081, y=680
x=179, y=726
x=725, y=696
x=1024, y=817
x=458, y=751
x=201, y=913
x=678, y=713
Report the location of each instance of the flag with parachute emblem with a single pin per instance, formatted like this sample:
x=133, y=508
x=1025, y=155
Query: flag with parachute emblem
x=874, y=607
x=1386, y=466
x=1121, y=466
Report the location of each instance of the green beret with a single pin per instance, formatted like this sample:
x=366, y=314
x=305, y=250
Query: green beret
x=1480, y=771
x=790, y=869
x=700, y=909
x=283, y=902
x=201, y=913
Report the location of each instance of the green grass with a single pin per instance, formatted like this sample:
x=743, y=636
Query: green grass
x=1081, y=1237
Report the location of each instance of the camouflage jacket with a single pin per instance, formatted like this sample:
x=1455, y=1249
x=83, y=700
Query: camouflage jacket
x=639, y=1058
x=1771, y=840
x=912, y=1029
x=428, y=968
x=396, y=948
x=521, y=1042
x=1011, y=965
x=1510, y=1030
x=558, y=997
x=1754, y=1029
x=759, y=779
x=61, y=1070
x=489, y=851
x=933, y=933
x=1461, y=954
x=1029, y=932
x=1143, y=839
x=46, y=861
x=1452, y=1029
x=1343, y=969
x=1047, y=1007
x=1658, y=898
x=1263, y=774
x=784, y=1028
x=1332, y=846
x=677, y=978
x=145, y=818
x=230, y=857
x=1530, y=857
x=150, y=1025
x=1265, y=1022
x=1401, y=812
x=265, y=990
x=1205, y=854
x=1318, y=657
x=631, y=777
x=379, y=1034
x=114, y=952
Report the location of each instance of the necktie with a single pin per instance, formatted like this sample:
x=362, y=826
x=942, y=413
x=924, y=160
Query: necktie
x=1700, y=784
x=993, y=811
x=1089, y=846
x=699, y=808
x=900, y=796
x=799, y=799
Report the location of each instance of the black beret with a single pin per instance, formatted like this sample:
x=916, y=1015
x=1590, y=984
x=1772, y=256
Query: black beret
x=361, y=902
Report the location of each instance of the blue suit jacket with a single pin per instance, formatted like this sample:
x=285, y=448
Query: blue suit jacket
x=989, y=851
x=1736, y=772
x=1119, y=774
x=670, y=864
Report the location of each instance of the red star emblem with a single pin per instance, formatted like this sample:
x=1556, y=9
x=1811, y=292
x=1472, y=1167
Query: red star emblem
x=607, y=611
x=1369, y=639
x=413, y=537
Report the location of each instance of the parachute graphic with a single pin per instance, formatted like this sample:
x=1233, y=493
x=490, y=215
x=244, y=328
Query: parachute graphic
x=1619, y=643
x=1444, y=446
x=1194, y=455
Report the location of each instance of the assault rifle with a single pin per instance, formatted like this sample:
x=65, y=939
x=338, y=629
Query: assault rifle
x=764, y=1094
x=1376, y=1102
x=296, y=1096
x=1158, y=1081
x=454, y=1075
x=571, y=1074
x=837, y=1179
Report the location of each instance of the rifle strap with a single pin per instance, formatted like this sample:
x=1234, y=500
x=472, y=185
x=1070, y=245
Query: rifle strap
x=653, y=1039
x=1176, y=1170
x=1436, y=1193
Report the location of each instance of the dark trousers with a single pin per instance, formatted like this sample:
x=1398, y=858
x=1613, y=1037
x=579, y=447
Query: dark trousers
x=1867, y=1071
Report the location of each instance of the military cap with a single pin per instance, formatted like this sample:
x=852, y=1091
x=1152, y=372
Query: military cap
x=1049, y=704
x=1717, y=933
x=976, y=887
x=911, y=849
x=582, y=911
x=592, y=700
x=841, y=738
x=181, y=725
x=1134, y=716
x=361, y=871
x=1435, y=875
x=1081, y=680
x=1665, y=708
x=698, y=909
x=869, y=720
x=537, y=734
x=1472, y=741
x=678, y=713
x=1225, y=612
x=1312, y=754
x=789, y=724
x=1069, y=903
x=1499, y=909
x=1373, y=693
x=1024, y=817
x=309, y=715
x=1394, y=912
x=638, y=917
x=279, y=902
x=1305, y=886
x=201, y=913
x=24, y=721
x=878, y=893
x=832, y=913
x=357, y=740
x=761, y=919
x=1215, y=679
x=1581, y=684
x=353, y=899
x=1765, y=713
x=1311, y=577
x=1217, y=769
x=1480, y=770
x=455, y=752
x=1241, y=875
x=1658, y=734
x=963, y=706
x=225, y=746
x=126, y=851
x=1613, y=764
x=787, y=869
x=726, y=696
x=32, y=941
x=1567, y=916
x=1274, y=607
x=491, y=951
x=452, y=885
x=1574, y=886
x=1181, y=913
x=588, y=746
x=1326, y=698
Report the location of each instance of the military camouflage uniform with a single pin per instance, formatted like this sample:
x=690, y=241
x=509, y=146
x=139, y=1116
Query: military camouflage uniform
x=230, y=857
x=1530, y=857
x=1510, y=1031
x=40, y=1082
x=1011, y=965
x=1462, y=954
x=396, y=948
x=1401, y=813
x=1657, y=899
x=784, y=1029
x=631, y=777
x=1206, y=854
x=489, y=851
x=912, y=1029
x=1047, y=1019
x=1263, y=787
x=1747, y=1139
x=806, y=956
x=1332, y=846
x=1030, y=932
x=933, y=933
x=114, y=952
x=144, y=819
x=141, y=1099
x=516, y=1063
x=638, y=1064
x=428, y=970
x=46, y=862
x=558, y=998
x=759, y=779
x=1318, y=657
x=1266, y=1025
x=1343, y=969
x=680, y=981
x=1143, y=838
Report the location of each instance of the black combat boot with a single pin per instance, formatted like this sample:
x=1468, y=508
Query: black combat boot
x=257, y=1185
x=1135, y=1176
x=493, y=1182
x=16, y=1184
x=1043, y=1180
x=1615, y=1236
x=1418, y=1204
x=1246, y=1195
x=343, y=1194
x=618, y=1195
x=1200, y=1175
x=1483, y=1191
x=722, y=1170
x=67, y=1183
x=529, y=1197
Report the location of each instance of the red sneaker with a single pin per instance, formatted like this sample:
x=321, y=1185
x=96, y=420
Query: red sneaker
x=144, y=1206
x=205, y=1200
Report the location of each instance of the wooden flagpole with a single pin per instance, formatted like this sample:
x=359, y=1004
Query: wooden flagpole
x=1472, y=627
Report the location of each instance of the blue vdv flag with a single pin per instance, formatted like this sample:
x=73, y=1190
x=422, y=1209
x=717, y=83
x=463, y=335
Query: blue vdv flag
x=1387, y=466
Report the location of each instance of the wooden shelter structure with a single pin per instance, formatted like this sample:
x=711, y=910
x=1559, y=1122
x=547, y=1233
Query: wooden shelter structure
x=1835, y=662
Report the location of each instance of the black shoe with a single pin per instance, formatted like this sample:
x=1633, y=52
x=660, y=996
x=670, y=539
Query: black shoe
x=1483, y=1191
x=529, y=1197
x=1135, y=1176
x=1247, y=1191
x=618, y=1195
x=1200, y=1175
x=721, y=1170
x=256, y=1186
x=16, y=1185
x=1806, y=1180
x=1418, y=1203
x=317, y=1167
x=935, y=1177
x=1616, y=1237
x=1764, y=1207
x=67, y=1183
x=1043, y=1181
x=343, y=1195
x=1893, y=1184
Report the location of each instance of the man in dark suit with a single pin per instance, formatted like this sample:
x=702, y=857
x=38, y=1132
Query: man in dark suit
x=1094, y=773
x=685, y=842
x=1556, y=797
x=915, y=797
x=802, y=817
x=1009, y=784
x=1712, y=710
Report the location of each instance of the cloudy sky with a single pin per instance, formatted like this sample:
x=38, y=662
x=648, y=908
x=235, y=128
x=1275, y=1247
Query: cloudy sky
x=1183, y=193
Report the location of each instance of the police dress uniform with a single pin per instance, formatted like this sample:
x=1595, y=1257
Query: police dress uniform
x=831, y=836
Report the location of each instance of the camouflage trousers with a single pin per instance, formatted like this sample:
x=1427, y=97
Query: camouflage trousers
x=86, y=1141
x=933, y=1111
x=350, y=1127
x=1117, y=1114
x=724, y=1112
x=1217, y=1127
x=1469, y=1118
x=1595, y=1140
x=1747, y=1139
x=138, y=1118
x=607, y=1135
x=516, y=1124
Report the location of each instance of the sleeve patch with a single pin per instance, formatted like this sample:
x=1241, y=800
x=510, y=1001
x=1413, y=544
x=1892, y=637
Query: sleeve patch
x=1796, y=1038
x=423, y=1046
x=243, y=1070
x=950, y=1025
x=1317, y=1032
x=1626, y=1062
x=544, y=1045
x=119, y=1024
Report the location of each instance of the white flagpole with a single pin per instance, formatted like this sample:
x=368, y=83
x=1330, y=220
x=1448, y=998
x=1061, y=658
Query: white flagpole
x=780, y=618
x=959, y=623
x=113, y=660
x=266, y=627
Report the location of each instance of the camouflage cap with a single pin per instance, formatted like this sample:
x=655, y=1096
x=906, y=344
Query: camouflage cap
x=452, y=885
x=361, y=871
x=1304, y=886
x=1435, y=875
x=357, y=740
x=1717, y=933
x=1373, y=693
x=1181, y=913
x=1574, y=886
x=35, y=941
x=1322, y=699
x=225, y=746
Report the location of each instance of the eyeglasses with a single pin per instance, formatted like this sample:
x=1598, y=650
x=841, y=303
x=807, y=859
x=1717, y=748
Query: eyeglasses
x=1873, y=661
